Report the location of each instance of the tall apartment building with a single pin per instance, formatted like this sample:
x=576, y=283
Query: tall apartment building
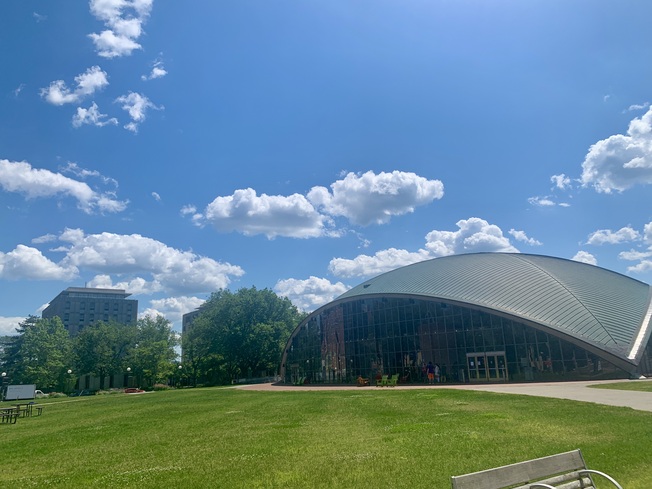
x=80, y=306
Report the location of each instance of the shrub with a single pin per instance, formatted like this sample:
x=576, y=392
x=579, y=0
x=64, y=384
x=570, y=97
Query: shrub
x=161, y=387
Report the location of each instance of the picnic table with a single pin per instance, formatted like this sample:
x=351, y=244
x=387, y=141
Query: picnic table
x=9, y=415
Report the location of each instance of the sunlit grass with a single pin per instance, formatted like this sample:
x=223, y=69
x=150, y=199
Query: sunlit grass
x=231, y=438
x=632, y=385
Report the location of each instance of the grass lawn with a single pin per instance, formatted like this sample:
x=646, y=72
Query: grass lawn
x=357, y=438
x=632, y=385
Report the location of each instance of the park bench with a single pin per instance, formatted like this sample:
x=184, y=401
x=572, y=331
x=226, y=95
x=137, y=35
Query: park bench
x=567, y=470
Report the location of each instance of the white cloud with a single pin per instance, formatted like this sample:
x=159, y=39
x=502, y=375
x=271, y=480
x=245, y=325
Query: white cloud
x=158, y=71
x=38, y=17
x=19, y=89
x=607, y=236
x=562, y=182
x=585, y=257
x=156, y=196
x=87, y=83
x=128, y=257
x=137, y=106
x=172, y=308
x=8, y=325
x=369, y=198
x=644, y=258
x=546, y=202
x=473, y=236
x=46, y=238
x=92, y=116
x=20, y=177
x=311, y=293
x=621, y=161
x=363, y=199
x=124, y=20
x=521, y=236
x=642, y=106
x=382, y=261
x=271, y=215
x=25, y=262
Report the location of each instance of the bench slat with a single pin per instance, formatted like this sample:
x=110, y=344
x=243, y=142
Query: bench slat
x=521, y=472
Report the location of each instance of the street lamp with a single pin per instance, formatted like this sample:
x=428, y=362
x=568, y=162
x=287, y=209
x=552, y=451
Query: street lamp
x=128, y=376
x=3, y=388
x=68, y=387
x=180, y=370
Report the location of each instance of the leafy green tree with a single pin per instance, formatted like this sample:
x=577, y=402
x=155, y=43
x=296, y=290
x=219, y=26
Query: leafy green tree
x=102, y=349
x=241, y=333
x=39, y=354
x=153, y=354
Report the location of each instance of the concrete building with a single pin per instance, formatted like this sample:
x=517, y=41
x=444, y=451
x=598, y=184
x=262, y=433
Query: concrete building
x=80, y=306
x=484, y=317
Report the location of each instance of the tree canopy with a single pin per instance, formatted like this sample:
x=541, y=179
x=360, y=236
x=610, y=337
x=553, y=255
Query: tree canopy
x=239, y=334
x=40, y=354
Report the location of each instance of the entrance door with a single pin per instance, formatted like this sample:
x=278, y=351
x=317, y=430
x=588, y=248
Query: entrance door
x=487, y=367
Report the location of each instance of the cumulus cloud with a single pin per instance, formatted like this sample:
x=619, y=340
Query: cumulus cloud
x=644, y=258
x=172, y=308
x=136, y=106
x=474, y=235
x=621, y=161
x=561, y=182
x=21, y=177
x=311, y=293
x=8, y=325
x=92, y=117
x=607, y=236
x=158, y=71
x=362, y=199
x=87, y=84
x=521, y=236
x=382, y=261
x=124, y=20
x=585, y=257
x=129, y=257
x=373, y=199
x=271, y=215
x=25, y=262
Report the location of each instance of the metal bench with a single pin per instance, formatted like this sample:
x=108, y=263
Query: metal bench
x=567, y=470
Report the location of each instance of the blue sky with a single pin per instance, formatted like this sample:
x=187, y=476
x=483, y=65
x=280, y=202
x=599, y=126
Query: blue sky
x=174, y=148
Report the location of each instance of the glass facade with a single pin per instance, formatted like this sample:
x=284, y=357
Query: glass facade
x=367, y=338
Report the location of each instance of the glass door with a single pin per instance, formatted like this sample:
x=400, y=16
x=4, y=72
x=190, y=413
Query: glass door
x=490, y=366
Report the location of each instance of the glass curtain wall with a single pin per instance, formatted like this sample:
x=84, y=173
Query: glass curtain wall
x=373, y=337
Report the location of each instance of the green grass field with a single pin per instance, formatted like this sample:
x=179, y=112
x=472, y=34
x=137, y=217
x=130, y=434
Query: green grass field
x=356, y=438
x=639, y=386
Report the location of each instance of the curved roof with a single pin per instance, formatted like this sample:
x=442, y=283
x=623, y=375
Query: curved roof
x=583, y=302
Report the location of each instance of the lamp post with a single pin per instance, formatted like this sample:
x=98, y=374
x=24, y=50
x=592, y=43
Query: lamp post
x=180, y=373
x=3, y=387
x=69, y=385
x=128, y=376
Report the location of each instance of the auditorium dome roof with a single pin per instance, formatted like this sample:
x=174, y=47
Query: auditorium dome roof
x=586, y=304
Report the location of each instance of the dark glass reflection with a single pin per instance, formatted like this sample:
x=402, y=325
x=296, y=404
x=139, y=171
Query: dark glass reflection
x=398, y=336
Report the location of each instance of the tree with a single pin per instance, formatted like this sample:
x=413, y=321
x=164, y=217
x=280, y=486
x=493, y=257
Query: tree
x=102, y=348
x=241, y=333
x=39, y=354
x=152, y=356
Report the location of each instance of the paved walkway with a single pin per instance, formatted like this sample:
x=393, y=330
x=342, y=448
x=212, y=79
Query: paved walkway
x=577, y=391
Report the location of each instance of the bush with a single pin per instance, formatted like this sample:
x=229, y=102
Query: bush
x=57, y=394
x=161, y=387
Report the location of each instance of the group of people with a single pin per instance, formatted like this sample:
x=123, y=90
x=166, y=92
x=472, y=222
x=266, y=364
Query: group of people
x=433, y=373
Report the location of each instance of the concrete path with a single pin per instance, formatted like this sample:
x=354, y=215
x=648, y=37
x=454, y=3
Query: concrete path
x=576, y=391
